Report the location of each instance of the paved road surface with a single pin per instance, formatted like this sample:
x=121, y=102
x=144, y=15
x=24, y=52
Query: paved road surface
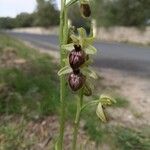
x=126, y=57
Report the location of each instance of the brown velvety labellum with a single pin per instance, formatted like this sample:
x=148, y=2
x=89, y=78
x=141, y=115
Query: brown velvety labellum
x=85, y=10
x=76, y=58
x=76, y=80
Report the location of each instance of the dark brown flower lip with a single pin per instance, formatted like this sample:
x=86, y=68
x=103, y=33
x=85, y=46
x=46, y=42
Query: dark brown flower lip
x=76, y=81
x=76, y=58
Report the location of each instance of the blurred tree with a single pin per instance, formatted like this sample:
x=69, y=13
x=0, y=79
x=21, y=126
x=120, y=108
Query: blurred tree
x=7, y=23
x=24, y=20
x=122, y=12
x=133, y=12
x=106, y=12
x=46, y=14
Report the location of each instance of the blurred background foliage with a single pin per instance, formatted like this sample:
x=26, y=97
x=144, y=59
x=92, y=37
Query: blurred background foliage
x=45, y=15
x=121, y=12
x=106, y=12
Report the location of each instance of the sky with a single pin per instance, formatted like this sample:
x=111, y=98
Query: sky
x=10, y=8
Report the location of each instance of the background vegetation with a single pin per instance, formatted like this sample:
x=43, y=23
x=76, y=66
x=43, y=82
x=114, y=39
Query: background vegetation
x=122, y=12
x=106, y=13
x=45, y=15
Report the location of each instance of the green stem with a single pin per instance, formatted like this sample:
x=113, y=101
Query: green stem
x=63, y=39
x=77, y=120
x=90, y=103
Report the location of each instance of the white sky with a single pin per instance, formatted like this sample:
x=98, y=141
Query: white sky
x=13, y=7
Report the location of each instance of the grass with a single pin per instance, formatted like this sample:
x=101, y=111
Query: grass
x=13, y=137
x=31, y=90
x=121, y=101
x=129, y=139
x=33, y=87
x=117, y=137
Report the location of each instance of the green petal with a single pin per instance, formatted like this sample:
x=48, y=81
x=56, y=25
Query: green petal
x=64, y=70
x=90, y=50
x=68, y=47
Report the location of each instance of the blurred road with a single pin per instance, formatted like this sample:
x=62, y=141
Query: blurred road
x=126, y=57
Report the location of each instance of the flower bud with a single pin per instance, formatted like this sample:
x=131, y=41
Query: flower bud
x=76, y=58
x=85, y=10
x=76, y=80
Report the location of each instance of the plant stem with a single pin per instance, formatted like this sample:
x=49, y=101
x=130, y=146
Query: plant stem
x=62, y=83
x=89, y=104
x=77, y=120
x=63, y=40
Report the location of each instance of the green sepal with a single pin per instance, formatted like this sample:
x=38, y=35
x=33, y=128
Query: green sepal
x=66, y=61
x=87, y=63
x=83, y=40
x=75, y=39
x=89, y=72
x=87, y=90
x=90, y=40
x=90, y=50
x=64, y=70
x=68, y=47
x=82, y=32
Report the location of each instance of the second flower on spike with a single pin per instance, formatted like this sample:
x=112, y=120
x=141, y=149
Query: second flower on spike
x=76, y=80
